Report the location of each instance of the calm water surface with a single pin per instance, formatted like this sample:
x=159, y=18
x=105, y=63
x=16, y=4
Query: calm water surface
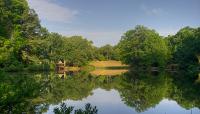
x=109, y=102
x=127, y=93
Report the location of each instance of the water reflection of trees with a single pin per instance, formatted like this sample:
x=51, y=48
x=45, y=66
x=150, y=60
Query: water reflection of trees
x=185, y=91
x=144, y=90
x=24, y=92
x=16, y=91
x=140, y=90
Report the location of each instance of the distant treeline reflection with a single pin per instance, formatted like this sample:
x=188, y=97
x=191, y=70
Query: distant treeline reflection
x=34, y=92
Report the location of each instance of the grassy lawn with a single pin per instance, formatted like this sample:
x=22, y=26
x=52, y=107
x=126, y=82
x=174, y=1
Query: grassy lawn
x=72, y=68
x=110, y=63
x=104, y=68
x=108, y=68
x=106, y=72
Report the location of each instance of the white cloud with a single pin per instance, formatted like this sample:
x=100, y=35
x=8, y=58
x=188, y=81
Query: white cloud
x=151, y=11
x=50, y=11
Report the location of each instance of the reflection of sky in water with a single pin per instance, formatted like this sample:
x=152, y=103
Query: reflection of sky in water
x=109, y=102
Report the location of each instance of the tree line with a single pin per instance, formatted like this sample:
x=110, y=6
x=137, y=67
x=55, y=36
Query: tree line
x=145, y=47
x=25, y=44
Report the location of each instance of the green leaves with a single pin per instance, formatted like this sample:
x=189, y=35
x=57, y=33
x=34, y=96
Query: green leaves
x=63, y=109
x=106, y=52
x=143, y=46
x=68, y=110
x=186, y=47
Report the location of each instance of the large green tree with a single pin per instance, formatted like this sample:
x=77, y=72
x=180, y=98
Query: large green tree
x=17, y=19
x=185, y=47
x=78, y=50
x=144, y=47
x=18, y=23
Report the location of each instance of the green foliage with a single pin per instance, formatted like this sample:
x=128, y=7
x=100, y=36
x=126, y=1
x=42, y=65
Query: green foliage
x=75, y=50
x=184, y=91
x=24, y=41
x=31, y=27
x=13, y=68
x=23, y=91
x=17, y=24
x=38, y=67
x=8, y=57
x=185, y=47
x=149, y=89
x=14, y=17
x=107, y=52
x=143, y=47
x=78, y=51
x=63, y=109
x=68, y=110
x=14, y=89
x=88, y=110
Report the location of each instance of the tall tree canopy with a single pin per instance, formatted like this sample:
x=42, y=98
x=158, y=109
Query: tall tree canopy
x=185, y=47
x=23, y=42
x=17, y=19
x=143, y=46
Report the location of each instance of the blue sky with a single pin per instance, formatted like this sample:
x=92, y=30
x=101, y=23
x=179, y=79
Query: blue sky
x=105, y=21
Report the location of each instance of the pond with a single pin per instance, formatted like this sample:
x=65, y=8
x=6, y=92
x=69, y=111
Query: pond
x=128, y=92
